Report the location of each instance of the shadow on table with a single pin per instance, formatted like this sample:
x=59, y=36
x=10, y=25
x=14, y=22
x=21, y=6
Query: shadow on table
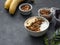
x=26, y=16
x=37, y=40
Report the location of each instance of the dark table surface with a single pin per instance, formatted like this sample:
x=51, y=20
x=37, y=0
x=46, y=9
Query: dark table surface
x=12, y=31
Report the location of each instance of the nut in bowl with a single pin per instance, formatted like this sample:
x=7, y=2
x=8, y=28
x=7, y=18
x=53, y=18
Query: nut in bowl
x=25, y=8
x=45, y=12
x=36, y=26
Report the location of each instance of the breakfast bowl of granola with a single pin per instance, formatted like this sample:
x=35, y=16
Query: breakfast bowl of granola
x=45, y=12
x=36, y=26
x=25, y=8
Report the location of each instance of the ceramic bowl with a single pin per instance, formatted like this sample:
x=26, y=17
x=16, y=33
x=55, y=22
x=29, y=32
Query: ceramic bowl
x=44, y=26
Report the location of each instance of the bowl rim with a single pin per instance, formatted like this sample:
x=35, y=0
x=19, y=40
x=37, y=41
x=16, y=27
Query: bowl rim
x=25, y=4
x=56, y=18
x=39, y=14
x=53, y=10
x=36, y=31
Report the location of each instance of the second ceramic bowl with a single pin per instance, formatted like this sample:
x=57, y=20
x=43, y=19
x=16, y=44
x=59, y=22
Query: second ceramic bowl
x=23, y=8
x=45, y=10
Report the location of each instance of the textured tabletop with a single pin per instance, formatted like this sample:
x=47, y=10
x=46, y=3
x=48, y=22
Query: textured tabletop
x=12, y=31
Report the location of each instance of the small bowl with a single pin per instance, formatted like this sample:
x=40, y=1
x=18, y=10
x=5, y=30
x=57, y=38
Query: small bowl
x=23, y=11
x=49, y=16
x=57, y=18
x=43, y=29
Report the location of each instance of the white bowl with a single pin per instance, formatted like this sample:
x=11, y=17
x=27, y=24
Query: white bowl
x=25, y=12
x=43, y=29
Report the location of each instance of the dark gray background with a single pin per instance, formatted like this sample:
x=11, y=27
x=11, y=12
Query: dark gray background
x=12, y=31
